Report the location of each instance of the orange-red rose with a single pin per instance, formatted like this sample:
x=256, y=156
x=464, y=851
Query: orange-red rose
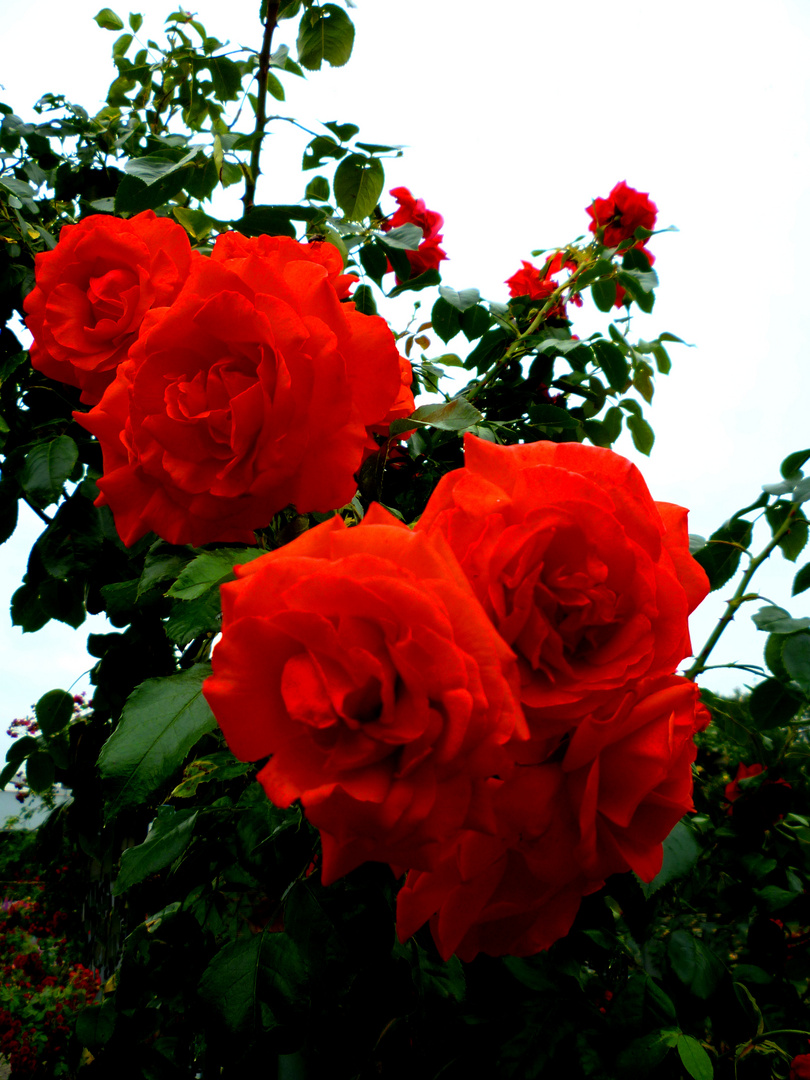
x=414, y=212
x=254, y=390
x=93, y=291
x=360, y=661
x=585, y=577
x=616, y=218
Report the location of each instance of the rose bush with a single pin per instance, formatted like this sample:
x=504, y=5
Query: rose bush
x=94, y=289
x=584, y=576
x=360, y=660
x=254, y=390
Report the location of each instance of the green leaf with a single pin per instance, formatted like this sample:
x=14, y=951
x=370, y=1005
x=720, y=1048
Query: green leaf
x=321, y=148
x=446, y=320
x=135, y=22
x=552, y=416
x=421, y=281
x=796, y=658
x=325, y=33
x=802, y=581
x=405, y=237
x=644, y=1054
x=604, y=294
x=358, y=184
x=162, y=719
x=344, y=132
x=611, y=360
x=694, y=963
x=778, y=621
x=771, y=704
x=167, y=839
x=721, y=556
x=226, y=77
x=318, y=189
x=792, y=465
x=681, y=852
x=164, y=562
x=255, y=980
x=108, y=20
x=151, y=180
x=54, y=711
x=455, y=415
x=364, y=301
x=642, y=433
x=221, y=765
x=95, y=1024
x=210, y=569
x=475, y=322
x=21, y=749
x=191, y=618
x=773, y=656
x=121, y=44
x=40, y=771
x=461, y=300
x=47, y=467
x=694, y=1058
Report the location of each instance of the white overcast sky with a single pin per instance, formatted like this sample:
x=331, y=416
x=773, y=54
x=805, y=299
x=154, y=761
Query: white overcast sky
x=515, y=116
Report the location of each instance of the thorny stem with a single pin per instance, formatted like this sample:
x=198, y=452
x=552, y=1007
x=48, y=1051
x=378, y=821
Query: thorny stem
x=261, y=103
x=740, y=596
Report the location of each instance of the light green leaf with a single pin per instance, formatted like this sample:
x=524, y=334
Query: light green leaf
x=209, y=570
x=108, y=20
x=456, y=415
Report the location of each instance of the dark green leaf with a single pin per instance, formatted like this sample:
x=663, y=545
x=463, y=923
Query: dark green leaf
x=552, y=416
x=40, y=771
x=364, y=301
x=604, y=294
x=796, y=658
x=446, y=320
x=405, y=237
x=27, y=610
x=162, y=719
x=22, y=748
x=694, y=1058
x=773, y=656
x=163, y=563
x=96, y=1023
x=793, y=463
x=374, y=261
x=191, y=618
x=642, y=433
x=461, y=300
x=694, y=963
x=357, y=185
x=108, y=20
x=267, y=221
x=721, y=556
x=421, y=281
x=612, y=362
x=47, y=468
x=321, y=149
x=325, y=33
x=475, y=322
x=167, y=839
x=226, y=77
x=771, y=704
x=54, y=711
x=644, y=1054
x=802, y=581
x=681, y=852
x=344, y=132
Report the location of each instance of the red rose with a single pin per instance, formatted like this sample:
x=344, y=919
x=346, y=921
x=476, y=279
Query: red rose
x=628, y=774
x=733, y=790
x=414, y=212
x=360, y=660
x=616, y=218
x=93, y=291
x=254, y=390
x=800, y=1068
x=513, y=893
x=540, y=284
x=583, y=575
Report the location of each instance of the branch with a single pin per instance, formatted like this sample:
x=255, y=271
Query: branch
x=261, y=101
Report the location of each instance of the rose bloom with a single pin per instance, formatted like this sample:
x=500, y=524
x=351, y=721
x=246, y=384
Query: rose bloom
x=512, y=893
x=617, y=217
x=93, y=291
x=800, y=1068
x=540, y=284
x=414, y=212
x=254, y=390
x=361, y=662
x=628, y=775
x=584, y=576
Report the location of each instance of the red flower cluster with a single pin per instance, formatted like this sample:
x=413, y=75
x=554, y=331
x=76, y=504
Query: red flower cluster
x=414, y=212
x=487, y=702
x=615, y=219
x=223, y=388
x=540, y=284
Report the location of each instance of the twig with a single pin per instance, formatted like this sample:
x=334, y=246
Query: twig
x=261, y=101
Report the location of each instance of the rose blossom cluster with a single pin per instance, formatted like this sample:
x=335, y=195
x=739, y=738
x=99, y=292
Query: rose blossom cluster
x=614, y=221
x=486, y=702
x=222, y=388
